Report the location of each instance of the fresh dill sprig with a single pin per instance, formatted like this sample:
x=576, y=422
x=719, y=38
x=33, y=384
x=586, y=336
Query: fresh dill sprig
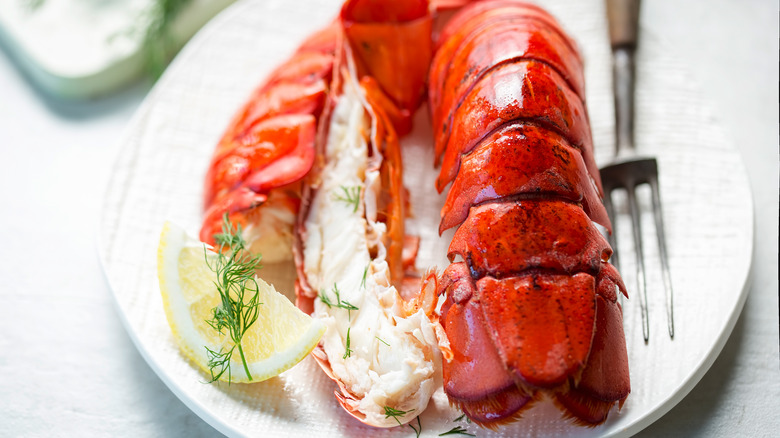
x=235, y=270
x=462, y=417
x=395, y=413
x=324, y=298
x=339, y=302
x=459, y=430
x=417, y=429
x=347, y=351
x=351, y=196
x=363, y=281
x=380, y=340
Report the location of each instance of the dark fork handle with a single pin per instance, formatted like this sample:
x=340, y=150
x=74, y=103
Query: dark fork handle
x=623, y=17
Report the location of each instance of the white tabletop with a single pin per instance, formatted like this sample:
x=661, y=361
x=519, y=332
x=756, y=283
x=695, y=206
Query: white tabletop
x=68, y=367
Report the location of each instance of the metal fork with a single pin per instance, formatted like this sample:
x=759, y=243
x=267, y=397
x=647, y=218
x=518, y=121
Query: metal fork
x=628, y=169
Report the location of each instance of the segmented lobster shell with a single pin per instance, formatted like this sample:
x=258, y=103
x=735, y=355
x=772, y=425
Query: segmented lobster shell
x=270, y=143
x=532, y=307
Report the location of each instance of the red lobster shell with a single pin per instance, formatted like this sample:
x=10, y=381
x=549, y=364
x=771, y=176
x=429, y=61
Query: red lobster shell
x=532, y=307
x=270, y=143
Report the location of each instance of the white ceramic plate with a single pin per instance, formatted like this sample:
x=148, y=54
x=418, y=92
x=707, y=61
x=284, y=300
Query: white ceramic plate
x=163, y=157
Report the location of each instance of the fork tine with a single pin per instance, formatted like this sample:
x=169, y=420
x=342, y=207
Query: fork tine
x=611, y=237
x=659, y=231
x=640, y=260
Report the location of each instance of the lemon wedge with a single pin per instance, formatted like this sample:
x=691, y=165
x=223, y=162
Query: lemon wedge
x=281, y=336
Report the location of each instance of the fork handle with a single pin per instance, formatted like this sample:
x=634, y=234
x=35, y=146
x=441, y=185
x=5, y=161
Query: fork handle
x=623, y=17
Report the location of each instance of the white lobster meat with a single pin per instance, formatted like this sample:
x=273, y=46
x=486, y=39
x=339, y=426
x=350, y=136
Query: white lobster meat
x=381, y=355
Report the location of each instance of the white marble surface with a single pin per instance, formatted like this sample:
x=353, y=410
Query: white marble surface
x=68, y=367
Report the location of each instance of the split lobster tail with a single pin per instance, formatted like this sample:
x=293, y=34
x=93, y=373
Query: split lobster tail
x=352, y=270
x=268, y=148
x=531, y=300
x=355, y=262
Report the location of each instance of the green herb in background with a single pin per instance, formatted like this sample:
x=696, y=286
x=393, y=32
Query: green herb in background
x=32, y=5
x=158, y=44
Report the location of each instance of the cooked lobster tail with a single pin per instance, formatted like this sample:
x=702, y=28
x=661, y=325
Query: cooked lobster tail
x=531, y=307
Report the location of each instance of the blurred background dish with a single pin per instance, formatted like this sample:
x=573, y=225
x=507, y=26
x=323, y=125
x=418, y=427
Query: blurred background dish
x=84, y=49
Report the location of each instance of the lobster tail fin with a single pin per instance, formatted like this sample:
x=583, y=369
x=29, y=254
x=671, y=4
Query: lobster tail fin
x=581, y=408
x=388, y=37
x=498, y=409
